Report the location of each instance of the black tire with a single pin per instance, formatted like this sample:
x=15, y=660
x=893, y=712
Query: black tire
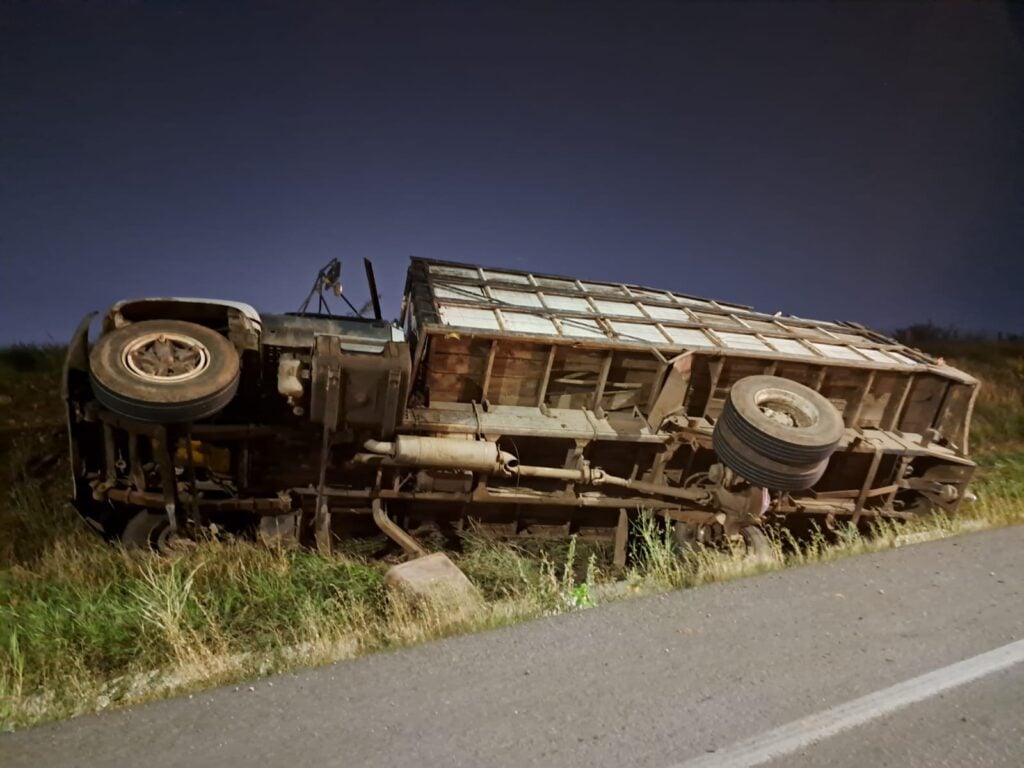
x=783, y=420
x=143, y=531
x=757, y=469
x=687, y=536
x=122, y=386
x=691, y=537
x=759, y=546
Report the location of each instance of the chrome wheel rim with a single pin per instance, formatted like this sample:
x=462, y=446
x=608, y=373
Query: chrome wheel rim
x=166, y=358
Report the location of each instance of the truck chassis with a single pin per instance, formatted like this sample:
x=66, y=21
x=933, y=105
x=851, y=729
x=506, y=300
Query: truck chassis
x=524, y=405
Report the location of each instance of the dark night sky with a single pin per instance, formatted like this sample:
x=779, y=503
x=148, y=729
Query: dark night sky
x=858, y=162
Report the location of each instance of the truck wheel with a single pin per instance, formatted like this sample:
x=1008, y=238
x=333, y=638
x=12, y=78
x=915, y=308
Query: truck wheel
x=757, y=469
x=144, y=531
x=758, y=545
x=782, y=420
x=164, y=371
x=690, y=537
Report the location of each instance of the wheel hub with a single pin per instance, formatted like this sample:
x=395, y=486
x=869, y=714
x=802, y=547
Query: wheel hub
x=165, y=358
x=786, y=408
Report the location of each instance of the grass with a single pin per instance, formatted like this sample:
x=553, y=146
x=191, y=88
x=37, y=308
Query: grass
x=29, y=389
x=85, y=626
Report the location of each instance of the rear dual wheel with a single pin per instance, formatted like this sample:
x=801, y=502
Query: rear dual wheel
x=782, y=420
x=776, y=433
x=758, y=469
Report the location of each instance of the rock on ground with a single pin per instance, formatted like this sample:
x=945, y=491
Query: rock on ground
x=434, y=582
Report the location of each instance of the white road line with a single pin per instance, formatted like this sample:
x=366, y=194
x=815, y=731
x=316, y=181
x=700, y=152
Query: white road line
x=813, y=728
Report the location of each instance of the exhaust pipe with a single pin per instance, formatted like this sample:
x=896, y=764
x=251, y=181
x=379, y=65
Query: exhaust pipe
x=445, y=453
x=485, y=456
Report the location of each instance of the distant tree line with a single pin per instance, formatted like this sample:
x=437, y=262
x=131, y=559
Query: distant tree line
x=924, y=334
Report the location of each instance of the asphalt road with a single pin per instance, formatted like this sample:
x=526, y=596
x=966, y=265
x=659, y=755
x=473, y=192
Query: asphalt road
x=660, y=681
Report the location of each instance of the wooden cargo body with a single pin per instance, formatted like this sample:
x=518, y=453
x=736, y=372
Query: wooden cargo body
x=633, y=378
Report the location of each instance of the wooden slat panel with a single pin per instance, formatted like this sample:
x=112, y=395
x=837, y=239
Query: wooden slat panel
x=876, y=410
x=844, y=387
x=514, y=390
x=456, y=368
x=921, y=408
x=953, y=420
x=517, y=373
x=575, y=375
x=508, y=366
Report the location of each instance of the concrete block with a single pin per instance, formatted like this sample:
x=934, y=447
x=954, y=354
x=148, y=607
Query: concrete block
x=434, y=582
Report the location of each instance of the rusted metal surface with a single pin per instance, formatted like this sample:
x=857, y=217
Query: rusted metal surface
x=394, y=532
x=146, y=499
x=533, y=404
x=441, y=453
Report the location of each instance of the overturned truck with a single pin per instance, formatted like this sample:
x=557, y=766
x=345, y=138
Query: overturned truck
x=519, y=403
